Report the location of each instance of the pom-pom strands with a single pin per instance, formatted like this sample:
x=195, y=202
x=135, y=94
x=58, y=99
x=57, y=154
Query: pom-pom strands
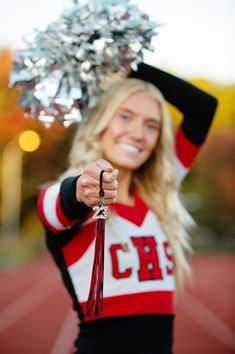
x=62, y=70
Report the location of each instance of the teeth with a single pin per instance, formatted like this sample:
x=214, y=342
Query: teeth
x=130, y=148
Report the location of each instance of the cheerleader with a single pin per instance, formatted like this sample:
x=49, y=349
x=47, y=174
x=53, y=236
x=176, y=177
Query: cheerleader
x=129, y=136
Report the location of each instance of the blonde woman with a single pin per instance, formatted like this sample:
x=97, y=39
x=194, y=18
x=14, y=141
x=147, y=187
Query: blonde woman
x=129, y=136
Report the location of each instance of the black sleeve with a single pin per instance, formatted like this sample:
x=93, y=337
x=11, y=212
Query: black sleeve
x=197, y=106
x=71, y=207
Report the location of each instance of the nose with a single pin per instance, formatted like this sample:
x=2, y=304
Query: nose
x=137, y=130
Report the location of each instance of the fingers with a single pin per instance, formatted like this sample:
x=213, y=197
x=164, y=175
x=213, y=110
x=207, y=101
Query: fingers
x=110, y=177
x=94, y=169
x=90, y=196
x=109, y=180
x=113, y=185
x=110, y=174
x=94, y=193
x=104, y=165
x=88, y=184
x=110, y=201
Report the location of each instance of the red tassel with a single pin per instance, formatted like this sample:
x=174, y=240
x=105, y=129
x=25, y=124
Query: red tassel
x=94, y=306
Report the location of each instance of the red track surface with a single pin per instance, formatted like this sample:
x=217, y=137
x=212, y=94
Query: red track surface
x=35, y=315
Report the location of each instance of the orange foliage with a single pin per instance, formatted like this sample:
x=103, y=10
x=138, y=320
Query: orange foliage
x=12, y=120
x=5, y=65
x=216, y=166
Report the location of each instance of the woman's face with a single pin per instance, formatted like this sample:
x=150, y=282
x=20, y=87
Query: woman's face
x=133, y=132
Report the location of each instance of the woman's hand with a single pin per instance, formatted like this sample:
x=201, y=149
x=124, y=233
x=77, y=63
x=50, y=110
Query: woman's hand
x=88, y=183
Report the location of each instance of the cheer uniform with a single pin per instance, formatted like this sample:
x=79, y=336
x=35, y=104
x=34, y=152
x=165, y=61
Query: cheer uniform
x=139, y=285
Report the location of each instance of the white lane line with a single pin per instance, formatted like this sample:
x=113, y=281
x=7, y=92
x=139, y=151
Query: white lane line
x=212, y=282
x=209, y=286
x=11, y=284
x=67, y=334
x=220, y=279
x=208, y=320
x=17, y=284
x=27, y=302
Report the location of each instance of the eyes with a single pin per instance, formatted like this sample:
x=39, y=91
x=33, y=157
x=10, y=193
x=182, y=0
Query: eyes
x=125, y=116
x=150, y=125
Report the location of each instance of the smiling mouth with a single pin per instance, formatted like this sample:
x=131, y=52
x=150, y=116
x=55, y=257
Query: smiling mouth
x=130, y=148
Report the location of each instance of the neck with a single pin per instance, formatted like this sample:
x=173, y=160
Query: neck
x=124, y=182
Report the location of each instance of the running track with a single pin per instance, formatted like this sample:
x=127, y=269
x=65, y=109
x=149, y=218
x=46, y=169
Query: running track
x=35, y=315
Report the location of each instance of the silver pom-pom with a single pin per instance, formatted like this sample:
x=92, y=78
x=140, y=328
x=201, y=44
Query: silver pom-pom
x=64, y=69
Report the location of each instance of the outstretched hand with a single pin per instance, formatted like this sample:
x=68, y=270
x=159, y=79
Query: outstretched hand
x=87, y=190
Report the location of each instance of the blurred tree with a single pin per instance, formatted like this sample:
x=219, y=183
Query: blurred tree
x=215, y=174
x=6, y=64
x=50, y=159
x=12, y=120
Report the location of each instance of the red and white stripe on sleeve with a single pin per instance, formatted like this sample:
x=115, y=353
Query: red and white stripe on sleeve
x=50, y=210
x=186, y=153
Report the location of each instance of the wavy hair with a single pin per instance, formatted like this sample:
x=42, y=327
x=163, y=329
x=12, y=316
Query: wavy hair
x=155, y=180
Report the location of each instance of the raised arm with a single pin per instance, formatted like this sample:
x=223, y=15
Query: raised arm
x=198, y=109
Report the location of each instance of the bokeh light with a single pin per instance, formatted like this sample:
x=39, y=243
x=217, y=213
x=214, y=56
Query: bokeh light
x=29, y=141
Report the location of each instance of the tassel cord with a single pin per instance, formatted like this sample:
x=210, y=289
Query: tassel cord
x=94, y=306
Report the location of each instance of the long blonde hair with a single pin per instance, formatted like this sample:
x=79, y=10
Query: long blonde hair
x=155, y=181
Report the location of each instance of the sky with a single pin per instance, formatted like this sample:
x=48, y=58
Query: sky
x=196, y=38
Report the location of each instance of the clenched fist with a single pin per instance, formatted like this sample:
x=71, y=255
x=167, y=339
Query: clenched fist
x=88, y=183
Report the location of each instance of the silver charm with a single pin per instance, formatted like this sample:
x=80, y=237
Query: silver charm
x=101, y=211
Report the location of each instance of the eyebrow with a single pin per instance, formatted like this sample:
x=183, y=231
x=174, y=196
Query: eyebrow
x=133, y=112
